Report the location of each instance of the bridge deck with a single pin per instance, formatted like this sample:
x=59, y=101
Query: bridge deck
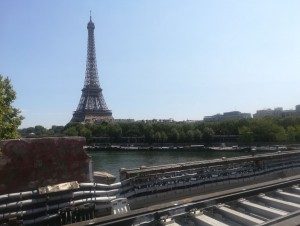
x=204, y=201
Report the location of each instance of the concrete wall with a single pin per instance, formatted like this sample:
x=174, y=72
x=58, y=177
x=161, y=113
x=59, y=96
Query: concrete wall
x=30, y=163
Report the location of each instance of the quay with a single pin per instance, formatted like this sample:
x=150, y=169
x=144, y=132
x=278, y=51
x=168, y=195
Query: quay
x=189, y=189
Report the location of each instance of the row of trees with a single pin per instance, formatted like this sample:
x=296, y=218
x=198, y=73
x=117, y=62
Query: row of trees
x=158, y=132
x=244, y=131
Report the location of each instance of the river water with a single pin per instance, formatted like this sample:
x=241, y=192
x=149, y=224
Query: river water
x=112, y=161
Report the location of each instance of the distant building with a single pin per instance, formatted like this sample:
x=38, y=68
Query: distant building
x=170, y=120
x=190, y=121
x=277, y=112
x=232, y=115
x=124, y=120
x=153, y=121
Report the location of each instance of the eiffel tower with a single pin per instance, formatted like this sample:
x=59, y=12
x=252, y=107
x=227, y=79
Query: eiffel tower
x=92, y=106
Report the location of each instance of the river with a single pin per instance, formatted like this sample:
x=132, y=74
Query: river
x=112, y=161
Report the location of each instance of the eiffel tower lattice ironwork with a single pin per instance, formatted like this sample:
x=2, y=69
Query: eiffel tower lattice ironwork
x=92, y=106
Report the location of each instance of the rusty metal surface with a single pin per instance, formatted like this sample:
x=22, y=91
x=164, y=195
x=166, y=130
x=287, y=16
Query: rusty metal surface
x=30, y=163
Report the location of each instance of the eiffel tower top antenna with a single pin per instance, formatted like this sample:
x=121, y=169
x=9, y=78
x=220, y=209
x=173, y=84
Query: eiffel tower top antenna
x=90, y=15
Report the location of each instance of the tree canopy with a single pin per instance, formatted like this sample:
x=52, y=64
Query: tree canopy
x=245, y=131
x=10, y=118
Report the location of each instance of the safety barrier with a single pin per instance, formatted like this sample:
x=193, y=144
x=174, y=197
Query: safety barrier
x=65, y=206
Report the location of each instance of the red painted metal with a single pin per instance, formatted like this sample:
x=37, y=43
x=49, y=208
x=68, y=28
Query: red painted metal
x=30, y=163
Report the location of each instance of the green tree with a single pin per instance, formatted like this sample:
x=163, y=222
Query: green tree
x=10, y=118
x=182, y=136
x=114, y=130
x=297, y=132
x=71, y=131
x=281, y=135
x=291, y=134
x=174, y=136
x=98, y=130
x=190, y=135
x=40, y=130
x=208, y=134
x=164, y=137
x=197, y=135
x=85, y=132
x=157, y=137
x=148, y=132
x=133, y=130
x=246, y=135
x=55, y=130
x=264, y=130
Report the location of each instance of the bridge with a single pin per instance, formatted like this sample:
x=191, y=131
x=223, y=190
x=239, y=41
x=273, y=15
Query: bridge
x=275, y=202
x=221, y=190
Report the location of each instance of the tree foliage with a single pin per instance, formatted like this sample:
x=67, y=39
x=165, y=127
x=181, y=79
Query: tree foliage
x=208, y=134
x=245, y=131
x=10, y=118
x=246, y=135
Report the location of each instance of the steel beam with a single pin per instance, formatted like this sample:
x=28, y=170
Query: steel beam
x=237, y=216
x=279, y=204
x=201, y=219
x=261, y=210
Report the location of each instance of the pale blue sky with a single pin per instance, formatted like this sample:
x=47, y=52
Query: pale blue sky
x=156, y=59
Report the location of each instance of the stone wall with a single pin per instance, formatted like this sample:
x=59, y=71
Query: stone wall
x=30, y=163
